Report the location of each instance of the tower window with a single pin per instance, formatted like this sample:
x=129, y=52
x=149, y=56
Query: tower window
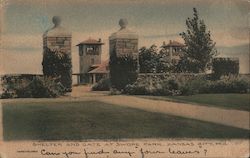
x=92, y=50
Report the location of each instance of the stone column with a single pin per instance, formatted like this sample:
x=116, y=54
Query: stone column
x=94, y=78
x=123, y=43
x=58, y=39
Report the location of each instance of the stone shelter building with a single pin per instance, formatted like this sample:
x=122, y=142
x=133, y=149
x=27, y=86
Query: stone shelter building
x=101, y=71
x=90, y=65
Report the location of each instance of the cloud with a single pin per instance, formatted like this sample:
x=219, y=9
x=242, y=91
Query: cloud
x=241, y=33
x=20, y=62
x=21, y=41
x=226, y=38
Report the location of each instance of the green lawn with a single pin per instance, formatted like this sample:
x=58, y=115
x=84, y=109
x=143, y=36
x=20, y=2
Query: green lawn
x=96, y=120
x=232, y=101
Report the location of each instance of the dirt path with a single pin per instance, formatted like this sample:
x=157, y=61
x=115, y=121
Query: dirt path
x=230, y=117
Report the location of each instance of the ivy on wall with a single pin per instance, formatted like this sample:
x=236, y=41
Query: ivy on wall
x=123, y=70
x=58, y=64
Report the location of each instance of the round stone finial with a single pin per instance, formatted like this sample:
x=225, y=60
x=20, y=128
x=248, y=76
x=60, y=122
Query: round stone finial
x=123, y=23
x=56, y=20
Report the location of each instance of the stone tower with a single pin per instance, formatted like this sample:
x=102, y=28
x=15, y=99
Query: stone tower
x=58, y=39
x=124, y=56
x=124, y=41
x=90, y=52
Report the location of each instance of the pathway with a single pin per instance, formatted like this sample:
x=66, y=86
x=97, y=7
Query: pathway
x=230, y=117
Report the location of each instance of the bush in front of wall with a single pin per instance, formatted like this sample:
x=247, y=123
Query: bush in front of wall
x=182, y=85
x=102, y=85
x=37, y=87
x=156, y=85
x=228, y=84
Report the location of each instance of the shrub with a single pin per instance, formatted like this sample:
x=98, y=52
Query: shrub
x=38, y=87
x=224, y=85
x=135, y=89
x=228, y=85
x=156, y=85
x=186, y=85
x=46, y=88
x=102, y=85
x=194, y=86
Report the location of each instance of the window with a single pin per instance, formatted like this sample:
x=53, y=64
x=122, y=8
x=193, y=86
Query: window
x=89, y=49
x=93, y=50
x=92, y=61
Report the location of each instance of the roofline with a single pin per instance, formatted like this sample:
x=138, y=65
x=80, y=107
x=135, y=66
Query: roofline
x=82, y=43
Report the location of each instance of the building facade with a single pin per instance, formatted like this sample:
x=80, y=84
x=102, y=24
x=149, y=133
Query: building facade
x=173, y=51
x=90, y=52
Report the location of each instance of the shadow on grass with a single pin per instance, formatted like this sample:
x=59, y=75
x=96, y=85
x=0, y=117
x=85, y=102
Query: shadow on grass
x=228, y=101
x=84, y=120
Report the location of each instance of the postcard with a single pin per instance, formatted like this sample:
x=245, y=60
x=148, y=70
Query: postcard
x=124, y=79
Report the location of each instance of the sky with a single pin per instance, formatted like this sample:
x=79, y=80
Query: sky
x=23, y=23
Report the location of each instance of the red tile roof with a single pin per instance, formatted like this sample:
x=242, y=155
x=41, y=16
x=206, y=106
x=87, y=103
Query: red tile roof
x=91, y=41
x=101, y=69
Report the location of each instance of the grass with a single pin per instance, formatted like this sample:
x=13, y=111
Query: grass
x=230, y=101
x=84, y=120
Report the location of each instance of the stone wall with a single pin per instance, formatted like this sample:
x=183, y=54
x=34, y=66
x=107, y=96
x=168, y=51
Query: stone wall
x=61, y=43
x=124, y=47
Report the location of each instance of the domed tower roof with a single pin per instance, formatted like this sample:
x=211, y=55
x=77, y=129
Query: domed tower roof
x=57, y=30
x=124, y=32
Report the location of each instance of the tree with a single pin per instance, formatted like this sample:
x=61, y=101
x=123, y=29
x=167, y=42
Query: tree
x=148, y=59
x=200, y=47
x=152, y=61
x=164, y=65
